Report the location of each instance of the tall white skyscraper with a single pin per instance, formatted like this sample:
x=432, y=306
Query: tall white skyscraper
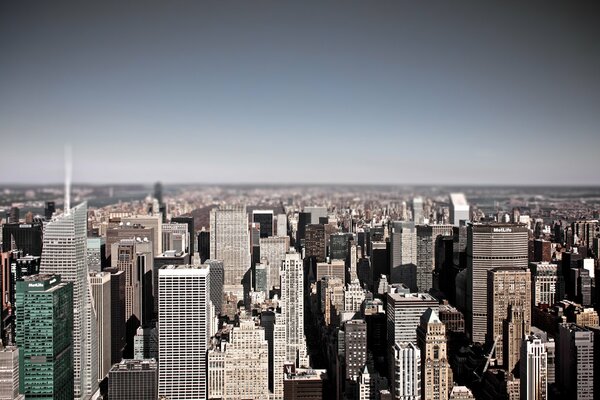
x=459, y=209
x=406, y=377
x=534, y=369
x=64, y=254
x=184, y=331
x=230, y=243
x=292, y=307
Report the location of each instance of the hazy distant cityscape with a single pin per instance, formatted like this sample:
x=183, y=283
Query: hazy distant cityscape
x=299, y=200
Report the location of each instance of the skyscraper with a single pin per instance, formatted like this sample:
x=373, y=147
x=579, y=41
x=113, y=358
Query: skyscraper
x=406, y=367
x=204, y=244
x=189, y=221
x=315, y=242
x=150, y=221
x=184, y=331
x=9, y=373
x=244, y=372
x=534, y=369
x=355, y=342
x=133, y=379
x=490, y=246
x=575, y=361
x=265, y=219
x=404, y=312
x=26, y=237
x=548, y=284
x=101, y=293
x=274, y=250
x=64, y=254
x=117, y=314
x=436, y=376
x=459, y=209
x=230, y=243
x=292, y=307
x=217, y=276
x=417, y=210
x=508, y=288
x=282, y=225
x=425, y=258
x=403, y=255
x=44, y=337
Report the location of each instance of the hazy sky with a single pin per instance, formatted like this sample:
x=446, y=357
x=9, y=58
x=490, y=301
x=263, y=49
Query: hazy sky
x=272, y=91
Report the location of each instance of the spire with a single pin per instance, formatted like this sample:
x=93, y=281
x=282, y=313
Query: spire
x=68, y=167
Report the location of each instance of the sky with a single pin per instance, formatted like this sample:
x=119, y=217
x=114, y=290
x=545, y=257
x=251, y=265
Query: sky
x=301, y=92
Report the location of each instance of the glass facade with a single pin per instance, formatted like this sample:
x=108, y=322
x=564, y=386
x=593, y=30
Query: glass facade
x=44, y=335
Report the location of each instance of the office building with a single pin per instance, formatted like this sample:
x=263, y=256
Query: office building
x=189, y=221
x=204, y=244
x=175, y=236
x=217, y=279
x=125, y=258
x=282, y=229
x=64, y=254
x=490, y=246
x=240, y=366
x=303, y=384
x=334, y=268
x=261, y=278
x=9, y=373
x=354, y=295
x=170, y=257
x=339, y=246
x=417, y=210
x=548, y=284
x=436, y=376
x=96, y=253
x=145, y=344
x=575, y=361
x=461, y=393
x=459, y=209
x=230, y=243
x=44, y=337
x=316, y=213
x=292, y=308
x=26, y=237
x=404, y=312
x=133, y=379
x=274, y=250
x=403, y=254
x=534, y=369
x=184, y=312
x=115, y=234
x=508, y=288
x=425, y=259
x=315, y=243
x=355, y=343
x=101, y=293
x=153, y=222
x=406, y=371
x=117, y=314
x=266, y=221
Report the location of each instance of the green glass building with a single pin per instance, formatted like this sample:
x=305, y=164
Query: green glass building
x=44, y=335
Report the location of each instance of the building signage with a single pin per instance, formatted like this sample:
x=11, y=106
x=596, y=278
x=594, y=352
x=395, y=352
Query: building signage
x=502, y=230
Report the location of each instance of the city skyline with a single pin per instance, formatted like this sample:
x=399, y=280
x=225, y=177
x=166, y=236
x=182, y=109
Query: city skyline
x=391, y=93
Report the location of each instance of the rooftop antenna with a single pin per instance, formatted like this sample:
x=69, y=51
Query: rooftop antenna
x=68, y=167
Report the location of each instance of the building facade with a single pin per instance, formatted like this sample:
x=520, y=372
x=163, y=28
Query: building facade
x=184, y=331
x=64, y=254
x=44, y=337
